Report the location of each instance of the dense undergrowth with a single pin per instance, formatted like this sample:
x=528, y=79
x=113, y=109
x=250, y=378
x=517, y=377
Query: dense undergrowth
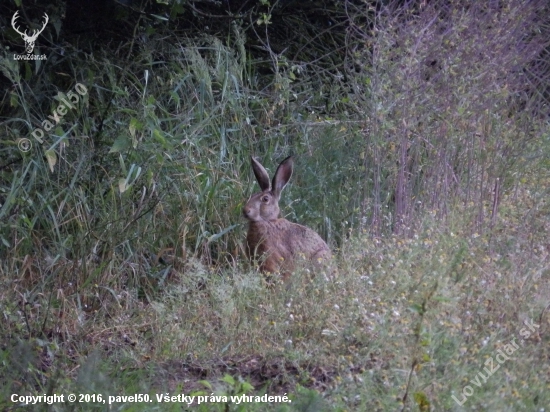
x=422, y=157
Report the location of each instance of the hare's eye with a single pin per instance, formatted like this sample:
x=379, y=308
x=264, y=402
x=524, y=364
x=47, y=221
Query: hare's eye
x=265, y=199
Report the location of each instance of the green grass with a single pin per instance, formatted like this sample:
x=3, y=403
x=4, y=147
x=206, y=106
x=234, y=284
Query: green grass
x=413, y=318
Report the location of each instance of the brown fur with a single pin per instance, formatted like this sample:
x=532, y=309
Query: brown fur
x=275, y=241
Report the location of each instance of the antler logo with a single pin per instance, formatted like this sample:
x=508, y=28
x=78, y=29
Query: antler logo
x=29, y=40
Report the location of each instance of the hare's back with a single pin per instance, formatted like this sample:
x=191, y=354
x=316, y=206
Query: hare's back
x=307, y=241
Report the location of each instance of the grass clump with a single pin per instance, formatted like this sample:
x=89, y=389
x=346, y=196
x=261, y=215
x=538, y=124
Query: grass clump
x=408, y=321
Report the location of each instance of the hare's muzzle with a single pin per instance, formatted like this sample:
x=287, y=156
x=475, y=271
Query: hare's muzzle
x=250, y=213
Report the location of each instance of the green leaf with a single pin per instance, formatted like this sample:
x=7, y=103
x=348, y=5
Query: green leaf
x=28, y=71
x=5, y=242
x=247, y=387
x=59, y=131
x=229, y=379
x=220, y=234
x=206, y=383
x=14, y=101
x=135, y=124
x=122, y=143
x=417, y=308
x=157, y=134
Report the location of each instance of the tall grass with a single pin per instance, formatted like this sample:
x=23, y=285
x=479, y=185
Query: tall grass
x=452, y=94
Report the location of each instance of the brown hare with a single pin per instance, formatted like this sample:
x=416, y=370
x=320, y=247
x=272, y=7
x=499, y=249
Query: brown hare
x=274, y=241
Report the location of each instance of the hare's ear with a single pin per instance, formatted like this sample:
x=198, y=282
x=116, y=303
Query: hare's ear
x=261, y=175
x=282, y=175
